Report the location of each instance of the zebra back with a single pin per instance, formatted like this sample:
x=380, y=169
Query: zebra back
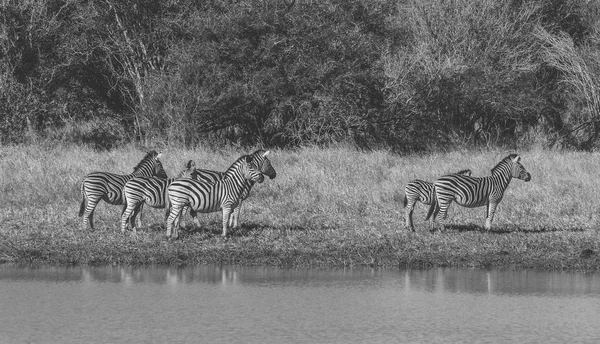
x=259, y=160
x=421, y=190
x=107, y=185
x=208, y=197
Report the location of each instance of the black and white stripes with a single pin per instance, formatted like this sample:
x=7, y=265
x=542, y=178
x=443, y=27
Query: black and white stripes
x=474, y=192
x=206, y=197
x=422, y=191
x=148, y=190
x=108, y=186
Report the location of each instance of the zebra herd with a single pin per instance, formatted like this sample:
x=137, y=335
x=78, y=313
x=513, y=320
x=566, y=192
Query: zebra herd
x=465, y=190
x=205, y=191
x=195, y=189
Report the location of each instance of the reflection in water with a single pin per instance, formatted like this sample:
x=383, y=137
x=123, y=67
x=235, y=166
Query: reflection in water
x=503, y=281
x=269, y=305
x=444, y=280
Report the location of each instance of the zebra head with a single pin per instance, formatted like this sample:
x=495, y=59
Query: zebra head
x=150, y=166
x=516, y=169
x=249, y=171
x=189, y=171
x=260, y=160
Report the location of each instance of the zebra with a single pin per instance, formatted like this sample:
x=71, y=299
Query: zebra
x=108, y=186
x=420, y=190
x=147, y=190
x=205, y=197
x=475, y=192
x=259, y=159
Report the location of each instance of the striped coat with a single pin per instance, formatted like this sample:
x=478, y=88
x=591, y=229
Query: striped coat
x=474, y=192
x=205, y=197
x=420, y=190
x=147, y=190
x=108, y=186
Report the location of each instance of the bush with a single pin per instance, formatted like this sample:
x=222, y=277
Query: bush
x=409, y=75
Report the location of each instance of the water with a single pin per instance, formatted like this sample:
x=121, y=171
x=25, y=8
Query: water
x=269, y=305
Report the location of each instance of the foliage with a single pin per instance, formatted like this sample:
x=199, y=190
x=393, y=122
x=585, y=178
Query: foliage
x=409, y=75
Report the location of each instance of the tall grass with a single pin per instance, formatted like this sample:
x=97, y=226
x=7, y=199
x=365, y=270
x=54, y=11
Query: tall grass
x=327, y=207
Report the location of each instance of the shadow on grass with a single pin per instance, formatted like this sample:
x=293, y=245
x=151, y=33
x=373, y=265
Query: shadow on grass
x=471, y=227
x=214, y=229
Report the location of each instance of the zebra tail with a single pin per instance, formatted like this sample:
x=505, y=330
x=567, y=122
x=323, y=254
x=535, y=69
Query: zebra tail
x=431, y=209
x=433, y=205
x=404, y=201
x=82, y=206
x=167, y=205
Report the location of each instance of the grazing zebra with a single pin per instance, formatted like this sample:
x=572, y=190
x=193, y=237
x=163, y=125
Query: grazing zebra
x=147, y=190
x=260, y=160
x=107, y=186
x=210, y=197
x=475, y=192
x=420, y=190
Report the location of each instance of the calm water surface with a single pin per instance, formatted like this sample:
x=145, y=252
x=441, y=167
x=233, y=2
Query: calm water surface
x=269, y=305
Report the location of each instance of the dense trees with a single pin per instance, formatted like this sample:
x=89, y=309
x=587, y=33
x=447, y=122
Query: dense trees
x=404, y=74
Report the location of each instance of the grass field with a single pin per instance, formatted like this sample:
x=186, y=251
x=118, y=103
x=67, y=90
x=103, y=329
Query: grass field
x=327, y=207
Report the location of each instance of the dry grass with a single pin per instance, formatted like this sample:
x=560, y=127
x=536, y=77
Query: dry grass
x=327, y=207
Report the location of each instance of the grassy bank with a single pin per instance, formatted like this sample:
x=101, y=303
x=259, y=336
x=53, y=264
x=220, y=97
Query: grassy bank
x=327, y=207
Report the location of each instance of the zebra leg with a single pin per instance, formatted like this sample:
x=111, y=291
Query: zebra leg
x=138, y=211
x=88, y=214
x=491, y=209
x=410, y=204
x=134, y=221
x=442, y=211
x=194, y=216
x=184, y=211
x=432, y=214
x=226, y=219
x=235, y=215
x=172, y=219
x=125, y=214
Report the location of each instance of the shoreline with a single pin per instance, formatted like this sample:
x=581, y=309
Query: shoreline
x=258, y=245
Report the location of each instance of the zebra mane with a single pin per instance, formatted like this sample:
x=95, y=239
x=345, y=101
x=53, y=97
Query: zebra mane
x=258, y=152
x=231, y=170
x=508, y=159
x=149, y=156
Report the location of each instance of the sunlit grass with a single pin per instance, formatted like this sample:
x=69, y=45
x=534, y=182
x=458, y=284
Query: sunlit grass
x=327, y=207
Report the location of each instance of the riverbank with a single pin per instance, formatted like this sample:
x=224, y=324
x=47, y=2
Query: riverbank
x=327, y=208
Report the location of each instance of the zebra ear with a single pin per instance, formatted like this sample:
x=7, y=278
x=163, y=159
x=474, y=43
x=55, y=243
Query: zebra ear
x=248, y=159
x=265, y=154
x=159, y=155
x=191, y=164
x=517, y=158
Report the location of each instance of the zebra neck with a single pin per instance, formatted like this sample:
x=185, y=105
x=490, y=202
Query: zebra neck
x=501, y=178
x=142, y=172
x=236, y=184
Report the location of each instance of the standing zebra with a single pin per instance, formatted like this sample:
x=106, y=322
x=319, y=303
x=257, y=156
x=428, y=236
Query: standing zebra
x=147, y=190
x=260, y=160
x=475, y=192
x=108, y=186
x=210, y=197
x=420, y=190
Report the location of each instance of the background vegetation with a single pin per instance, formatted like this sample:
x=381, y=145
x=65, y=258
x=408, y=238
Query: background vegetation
x=326, y=207
x=402, y=74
